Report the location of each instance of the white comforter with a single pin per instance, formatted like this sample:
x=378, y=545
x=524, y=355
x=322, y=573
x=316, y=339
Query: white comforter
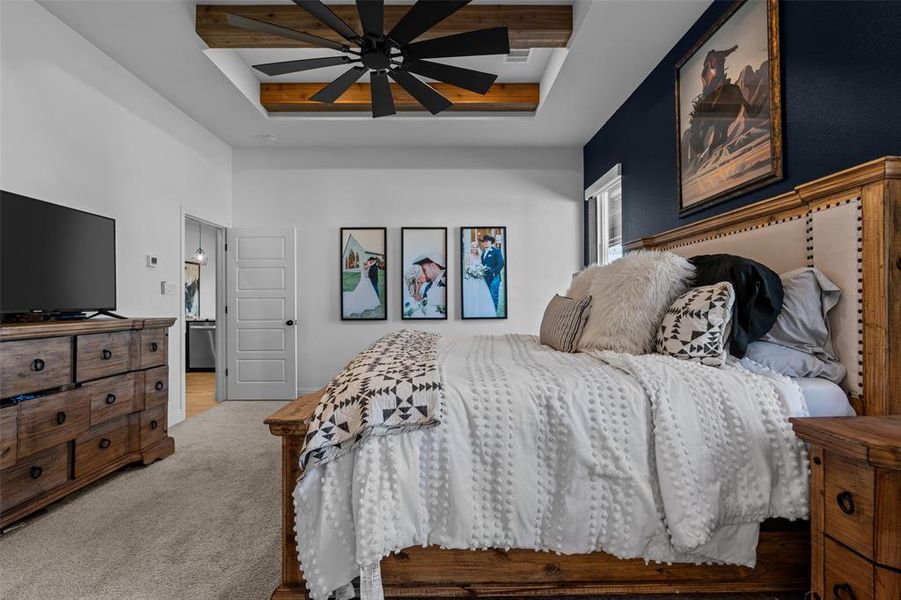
x=638, y=456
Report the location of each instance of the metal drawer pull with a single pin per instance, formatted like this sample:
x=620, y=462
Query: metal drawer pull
x=154, y=424
x=110, y=398
x=36, y=472
x=104, y=443
x=153, y=347
x=37, y=365
x=106, y=354
x=159, y=386
x=60, y=418
x=843, y=591
x=845, y=503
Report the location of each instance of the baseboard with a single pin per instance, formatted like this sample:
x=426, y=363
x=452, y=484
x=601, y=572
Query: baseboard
x=303, y=391
x=175, y=417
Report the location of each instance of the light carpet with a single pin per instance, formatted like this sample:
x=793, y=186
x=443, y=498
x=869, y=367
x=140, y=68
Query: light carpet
x=201, y=524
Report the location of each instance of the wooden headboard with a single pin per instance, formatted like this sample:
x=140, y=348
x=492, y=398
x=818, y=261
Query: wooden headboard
x=849, y=226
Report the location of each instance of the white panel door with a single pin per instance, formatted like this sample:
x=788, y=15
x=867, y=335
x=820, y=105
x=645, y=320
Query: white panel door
x=261, y=314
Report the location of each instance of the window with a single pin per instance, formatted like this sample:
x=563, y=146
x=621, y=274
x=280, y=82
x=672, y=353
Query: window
x=605, y=236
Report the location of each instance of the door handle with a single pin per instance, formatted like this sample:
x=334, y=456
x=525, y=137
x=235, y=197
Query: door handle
x=290, y=322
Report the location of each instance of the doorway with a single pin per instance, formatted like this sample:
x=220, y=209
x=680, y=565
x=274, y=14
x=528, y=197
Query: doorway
x=202, y=335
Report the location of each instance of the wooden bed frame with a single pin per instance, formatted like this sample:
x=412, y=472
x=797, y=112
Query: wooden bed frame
x=783, y=552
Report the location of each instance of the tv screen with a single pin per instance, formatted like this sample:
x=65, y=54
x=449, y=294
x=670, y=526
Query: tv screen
x=54, y=258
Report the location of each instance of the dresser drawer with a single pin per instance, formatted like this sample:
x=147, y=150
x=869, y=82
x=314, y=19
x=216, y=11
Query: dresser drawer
x=848, y=489
x=153, y=425
x=156, y=386
x=102, y=354
x=888, y=584
x=849, y=576
x=112, y=397
x=51, y=420
x=34, y=365
x=887, y=532
x=34, y=476
x=8, y=436
x=153, y=349
x=102, y=445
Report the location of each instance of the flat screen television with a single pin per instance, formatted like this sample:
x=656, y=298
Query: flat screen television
x=54, y=258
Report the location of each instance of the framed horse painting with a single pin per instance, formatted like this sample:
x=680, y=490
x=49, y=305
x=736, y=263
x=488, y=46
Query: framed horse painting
x=728, y=114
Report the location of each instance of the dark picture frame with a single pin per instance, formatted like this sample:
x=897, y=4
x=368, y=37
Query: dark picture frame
x=468, y=234
x=409, y=309
x=190, y=267
x=351, y=257
x=754, y=163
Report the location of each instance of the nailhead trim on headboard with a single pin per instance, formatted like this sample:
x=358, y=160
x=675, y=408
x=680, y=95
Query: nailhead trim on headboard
x=860, y=293
x=809, y=240
x=731, y=232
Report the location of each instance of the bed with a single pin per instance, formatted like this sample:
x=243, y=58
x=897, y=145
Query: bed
x=845, y=225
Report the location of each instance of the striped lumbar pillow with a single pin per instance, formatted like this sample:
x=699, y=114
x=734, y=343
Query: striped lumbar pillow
x=564, y=319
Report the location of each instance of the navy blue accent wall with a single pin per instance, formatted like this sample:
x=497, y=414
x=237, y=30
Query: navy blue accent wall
x=841, y=91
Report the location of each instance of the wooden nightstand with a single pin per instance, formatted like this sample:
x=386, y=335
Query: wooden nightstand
x=855, y=506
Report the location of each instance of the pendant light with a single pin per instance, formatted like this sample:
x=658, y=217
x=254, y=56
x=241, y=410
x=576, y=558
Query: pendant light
x=199, y=255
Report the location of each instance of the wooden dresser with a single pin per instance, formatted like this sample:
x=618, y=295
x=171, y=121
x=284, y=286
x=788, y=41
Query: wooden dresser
x=855, y=506
x=80, y=399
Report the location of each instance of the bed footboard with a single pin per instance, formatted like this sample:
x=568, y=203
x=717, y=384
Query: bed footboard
x=290, y=423
x=783, y=555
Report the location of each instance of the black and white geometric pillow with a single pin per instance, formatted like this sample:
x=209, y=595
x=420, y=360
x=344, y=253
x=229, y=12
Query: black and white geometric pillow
x=697, y=325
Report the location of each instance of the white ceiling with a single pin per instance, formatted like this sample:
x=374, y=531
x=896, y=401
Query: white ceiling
x=615, y=44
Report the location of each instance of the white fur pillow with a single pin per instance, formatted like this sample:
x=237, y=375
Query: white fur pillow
x=629, y=299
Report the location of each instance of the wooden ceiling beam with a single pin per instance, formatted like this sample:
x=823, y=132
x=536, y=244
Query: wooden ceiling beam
x=530, y=25
x=502, y=97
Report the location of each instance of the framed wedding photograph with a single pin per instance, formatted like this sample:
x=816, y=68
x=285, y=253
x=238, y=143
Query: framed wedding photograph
x=728, y=108
x=483, y=272
x=424, y=273
x=364, y=274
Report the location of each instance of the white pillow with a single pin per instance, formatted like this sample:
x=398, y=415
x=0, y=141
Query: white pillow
x=696, y=327
x=629, y=298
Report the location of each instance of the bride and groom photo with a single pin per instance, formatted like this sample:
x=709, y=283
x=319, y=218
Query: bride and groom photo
x=363, y=273
x=424, y=273
x=483, y=268
x=424, y=260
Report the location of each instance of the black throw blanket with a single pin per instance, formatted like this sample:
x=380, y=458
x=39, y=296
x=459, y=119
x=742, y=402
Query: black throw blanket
x=758, y=295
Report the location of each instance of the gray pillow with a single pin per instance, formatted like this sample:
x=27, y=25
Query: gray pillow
x=800, y=343
x=793, y=363
x=563, y=322
x=803, y=323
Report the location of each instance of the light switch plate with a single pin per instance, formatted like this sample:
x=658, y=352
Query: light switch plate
x=152, y=261
x=168, y=289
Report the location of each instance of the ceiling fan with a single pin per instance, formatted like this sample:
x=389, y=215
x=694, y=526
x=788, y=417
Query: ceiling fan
x=393, y=54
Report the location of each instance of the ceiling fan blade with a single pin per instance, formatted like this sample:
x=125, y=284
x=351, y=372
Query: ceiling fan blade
x=372, y=16
x=294, y=66
x=424, y=15
x=471, y=43
x=474, y=81
x=382, y=100
x=429, y=98
x=263, y=27
x=333, y=91
x=325, y=14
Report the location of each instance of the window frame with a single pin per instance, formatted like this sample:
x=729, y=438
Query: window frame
x=599, y=191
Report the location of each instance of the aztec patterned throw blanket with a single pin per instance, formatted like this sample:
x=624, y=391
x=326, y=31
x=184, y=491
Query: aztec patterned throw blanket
x=393, y=386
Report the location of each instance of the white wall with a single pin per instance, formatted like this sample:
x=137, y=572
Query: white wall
x=536, y=193
x=207, y=271
x=79, y=130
